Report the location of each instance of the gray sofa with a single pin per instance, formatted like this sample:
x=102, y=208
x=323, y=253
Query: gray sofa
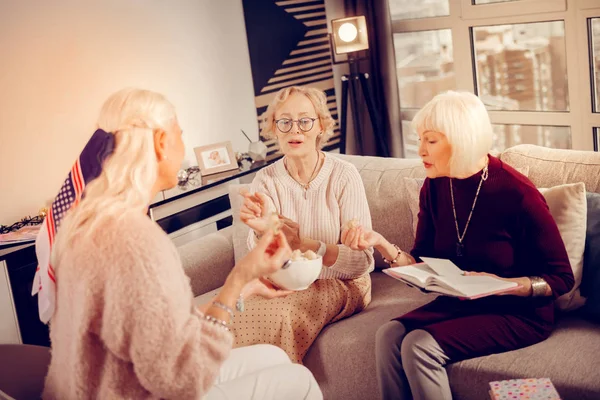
x=342, y=358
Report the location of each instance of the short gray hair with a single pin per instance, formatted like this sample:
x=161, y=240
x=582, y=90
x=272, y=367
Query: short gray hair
x=463, y=118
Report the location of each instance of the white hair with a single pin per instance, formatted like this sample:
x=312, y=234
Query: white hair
x=129, y=174
x=462, y=117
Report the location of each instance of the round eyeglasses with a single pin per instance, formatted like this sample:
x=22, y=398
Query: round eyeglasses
x=305, y=124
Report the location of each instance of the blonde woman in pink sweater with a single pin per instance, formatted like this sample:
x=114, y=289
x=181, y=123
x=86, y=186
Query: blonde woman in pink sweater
x=317, y=194
x=124, y=324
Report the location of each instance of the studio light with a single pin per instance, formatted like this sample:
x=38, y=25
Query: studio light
x=350, y=34
x=349, y=37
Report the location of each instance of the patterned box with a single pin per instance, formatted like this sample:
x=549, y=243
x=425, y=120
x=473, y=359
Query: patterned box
x=523, y=389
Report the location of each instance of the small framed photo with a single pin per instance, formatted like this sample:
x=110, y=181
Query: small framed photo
x=215, y=158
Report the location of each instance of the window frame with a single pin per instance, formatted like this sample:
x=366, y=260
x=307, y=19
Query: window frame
x=465, y=16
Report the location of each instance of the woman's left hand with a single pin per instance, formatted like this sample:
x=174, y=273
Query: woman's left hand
x=291, y=230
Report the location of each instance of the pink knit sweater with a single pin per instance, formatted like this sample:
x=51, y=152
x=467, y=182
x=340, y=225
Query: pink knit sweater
x=335, y=196
x=124, y=325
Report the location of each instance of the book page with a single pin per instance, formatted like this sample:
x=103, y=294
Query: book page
x=416, y=274
x=470, y=286
x=442, y=266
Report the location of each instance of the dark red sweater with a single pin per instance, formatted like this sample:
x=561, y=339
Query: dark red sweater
x=511, y=234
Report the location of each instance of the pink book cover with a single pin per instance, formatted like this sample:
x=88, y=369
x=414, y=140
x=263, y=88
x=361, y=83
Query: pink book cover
x=523, y=389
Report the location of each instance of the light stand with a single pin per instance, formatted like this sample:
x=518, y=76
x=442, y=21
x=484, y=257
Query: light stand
x=356, y=81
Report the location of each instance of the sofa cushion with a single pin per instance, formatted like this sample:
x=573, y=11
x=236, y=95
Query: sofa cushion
x=343, y=356
x=590, y=285
x=568, y=206
x=568, y=357
x=208, y=260
x=387, y=196
x=552, y=167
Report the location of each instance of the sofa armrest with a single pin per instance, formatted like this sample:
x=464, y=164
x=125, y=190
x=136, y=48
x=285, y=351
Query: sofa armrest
x=207, y=261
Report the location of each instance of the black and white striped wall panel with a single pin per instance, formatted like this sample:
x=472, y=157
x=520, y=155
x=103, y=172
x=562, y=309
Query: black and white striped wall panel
x=289, y=46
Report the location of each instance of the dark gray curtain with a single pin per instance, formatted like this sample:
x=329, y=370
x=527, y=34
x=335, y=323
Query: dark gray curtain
x=380, y=66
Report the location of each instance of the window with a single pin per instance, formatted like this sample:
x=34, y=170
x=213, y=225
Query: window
x=505, y=136
x=409, y=9
x=534, y=63
x=424, y=65
x=490, y=1
x=532, y=59
x=411, y=140
x=594, y=34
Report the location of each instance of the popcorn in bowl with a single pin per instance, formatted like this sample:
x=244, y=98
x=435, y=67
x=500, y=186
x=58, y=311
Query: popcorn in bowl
x=297, y=255
x=302, y=271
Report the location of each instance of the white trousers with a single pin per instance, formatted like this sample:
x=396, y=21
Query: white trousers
x=263, y=372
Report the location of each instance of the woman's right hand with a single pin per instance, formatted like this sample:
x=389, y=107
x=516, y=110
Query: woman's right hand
x=269, y=255
x=255, y=210
x=359, y=238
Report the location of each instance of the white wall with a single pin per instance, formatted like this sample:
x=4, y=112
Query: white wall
x=60, y=59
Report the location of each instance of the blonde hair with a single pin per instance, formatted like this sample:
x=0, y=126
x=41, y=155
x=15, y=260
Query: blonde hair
x=129, y=174
x=317, y=98
x=462, y=117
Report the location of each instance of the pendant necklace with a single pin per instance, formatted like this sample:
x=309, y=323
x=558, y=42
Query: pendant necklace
x=306, y=185
x=459, y=244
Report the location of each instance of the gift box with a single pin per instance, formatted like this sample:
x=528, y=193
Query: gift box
x=523, y=389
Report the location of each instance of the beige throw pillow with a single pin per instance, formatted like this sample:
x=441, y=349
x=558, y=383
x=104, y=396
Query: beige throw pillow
x=568, y=207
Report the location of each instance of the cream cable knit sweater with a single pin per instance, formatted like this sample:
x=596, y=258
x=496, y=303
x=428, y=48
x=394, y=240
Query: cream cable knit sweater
x=335, y=196
x=124, y=325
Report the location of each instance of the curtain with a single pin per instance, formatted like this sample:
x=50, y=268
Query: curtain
x=380, y=66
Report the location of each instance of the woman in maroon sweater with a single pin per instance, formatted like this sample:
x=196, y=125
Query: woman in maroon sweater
x=488, y=219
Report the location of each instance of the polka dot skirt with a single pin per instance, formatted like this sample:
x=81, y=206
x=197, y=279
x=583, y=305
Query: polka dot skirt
x=294, y=321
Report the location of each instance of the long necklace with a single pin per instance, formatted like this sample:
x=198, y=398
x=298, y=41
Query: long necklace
x=306, y=185
x=459, y=244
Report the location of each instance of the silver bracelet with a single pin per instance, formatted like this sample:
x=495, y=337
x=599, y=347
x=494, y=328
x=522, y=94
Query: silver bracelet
x=217, y=322
x=538, y=286
x=226, y=308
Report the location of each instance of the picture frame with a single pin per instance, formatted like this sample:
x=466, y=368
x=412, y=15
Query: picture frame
x=215, y=158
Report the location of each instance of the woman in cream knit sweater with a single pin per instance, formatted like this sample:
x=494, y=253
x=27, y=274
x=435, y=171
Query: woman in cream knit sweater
x=124, y=324
x=317, y=194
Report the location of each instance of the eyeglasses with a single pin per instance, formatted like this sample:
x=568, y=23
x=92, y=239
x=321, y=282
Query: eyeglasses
x=305, y=124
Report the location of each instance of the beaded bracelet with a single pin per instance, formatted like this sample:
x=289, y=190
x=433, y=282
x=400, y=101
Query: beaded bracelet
x=217, y=322
x=395, y=260
x=226, y=308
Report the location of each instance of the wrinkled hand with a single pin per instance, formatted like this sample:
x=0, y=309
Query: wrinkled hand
x=291, y=230
x=267, y=257
x=264, y=288
x=360, y=238
x=255, y=210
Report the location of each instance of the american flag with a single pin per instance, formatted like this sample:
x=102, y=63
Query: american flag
x=86, y=168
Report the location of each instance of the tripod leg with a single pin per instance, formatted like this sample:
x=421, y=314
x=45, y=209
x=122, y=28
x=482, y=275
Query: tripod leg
x=382, y=144
x=343, y=117
x=356, y=115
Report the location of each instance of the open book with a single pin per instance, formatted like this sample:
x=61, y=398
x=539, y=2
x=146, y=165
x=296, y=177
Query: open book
x=443, y=276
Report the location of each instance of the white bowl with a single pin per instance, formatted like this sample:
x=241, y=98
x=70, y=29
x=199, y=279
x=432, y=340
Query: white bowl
x=299, y=275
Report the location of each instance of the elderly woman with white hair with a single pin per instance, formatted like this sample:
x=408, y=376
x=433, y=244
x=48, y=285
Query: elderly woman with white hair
x=487, y=218
x=316, y=194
